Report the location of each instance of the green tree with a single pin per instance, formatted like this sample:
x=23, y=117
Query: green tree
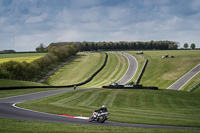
x=192, y=46
x=41, y=48
x=185, y=46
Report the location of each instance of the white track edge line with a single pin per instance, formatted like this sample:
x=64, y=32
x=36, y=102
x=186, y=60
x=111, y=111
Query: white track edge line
x=188, y=80
x=183, y=76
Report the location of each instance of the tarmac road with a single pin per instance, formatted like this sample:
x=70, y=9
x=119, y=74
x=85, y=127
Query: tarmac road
x=185, y=78
x=9, y=110
x=133, y=65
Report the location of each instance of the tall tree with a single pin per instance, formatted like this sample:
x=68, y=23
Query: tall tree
x=41, y=48
x=185, y=46
x=192, y=46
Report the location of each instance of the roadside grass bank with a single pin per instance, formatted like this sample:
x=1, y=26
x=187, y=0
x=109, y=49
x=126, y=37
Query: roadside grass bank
x=10, y=83
x=21, y=126
x=163, y=107
x=78, y=70
x=114, y=70
x=164, y=72
x=17, y=92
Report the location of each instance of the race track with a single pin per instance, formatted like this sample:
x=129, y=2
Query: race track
x=132, y=68
x=185, y=78
x=9, y=110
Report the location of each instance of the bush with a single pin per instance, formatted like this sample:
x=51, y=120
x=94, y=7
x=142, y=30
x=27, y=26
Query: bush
x=29, y=71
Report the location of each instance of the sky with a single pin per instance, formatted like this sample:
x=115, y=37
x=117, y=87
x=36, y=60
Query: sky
x=25, y=24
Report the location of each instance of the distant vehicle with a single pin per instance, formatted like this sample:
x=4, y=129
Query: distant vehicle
x=139, y=52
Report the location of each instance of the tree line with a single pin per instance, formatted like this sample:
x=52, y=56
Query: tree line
x=7, y=51
x=30, y=71
x=122, y=45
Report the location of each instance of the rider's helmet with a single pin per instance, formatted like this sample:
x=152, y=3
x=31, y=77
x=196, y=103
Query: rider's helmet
x=103, y=106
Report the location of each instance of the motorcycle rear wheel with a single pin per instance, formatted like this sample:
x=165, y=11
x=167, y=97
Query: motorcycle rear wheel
x=102, y=119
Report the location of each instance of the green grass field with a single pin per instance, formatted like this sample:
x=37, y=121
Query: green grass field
x=82, y=68
x=162, y=107
x=115, y=68
x=164, y=72
x=21, y=126
x=78, y=70
x=9, y=83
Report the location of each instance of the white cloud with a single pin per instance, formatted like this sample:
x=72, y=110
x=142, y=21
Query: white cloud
x=36, y=19
x=2, y=20
x=32, y=22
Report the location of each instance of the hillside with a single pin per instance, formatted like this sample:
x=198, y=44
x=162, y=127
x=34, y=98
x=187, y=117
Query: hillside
x=78, y=70
x=164, y=72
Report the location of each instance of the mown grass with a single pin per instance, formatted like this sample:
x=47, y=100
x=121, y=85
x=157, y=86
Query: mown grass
x=78, y=70
x=164, y=72
x=10, y=83
x=114, y=70
x=16, y=92
x=21, y=126
x=163, y=107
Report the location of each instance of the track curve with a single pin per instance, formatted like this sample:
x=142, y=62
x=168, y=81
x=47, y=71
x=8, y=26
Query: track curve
x=8, y=109
x=133, y=65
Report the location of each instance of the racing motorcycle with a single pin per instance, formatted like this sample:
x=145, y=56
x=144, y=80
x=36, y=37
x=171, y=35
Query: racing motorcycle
x=98, y=116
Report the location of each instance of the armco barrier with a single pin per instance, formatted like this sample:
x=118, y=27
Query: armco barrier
x=129, y=87
x=79, y=84
x=140, y=76
x=194, y=87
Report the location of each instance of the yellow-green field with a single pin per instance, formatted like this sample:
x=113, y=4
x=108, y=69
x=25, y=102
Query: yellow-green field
x=20, y=59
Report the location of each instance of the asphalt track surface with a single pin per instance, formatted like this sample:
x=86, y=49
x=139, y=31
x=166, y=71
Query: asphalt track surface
x=9, y=110
x=185, y=78
x=133, y=65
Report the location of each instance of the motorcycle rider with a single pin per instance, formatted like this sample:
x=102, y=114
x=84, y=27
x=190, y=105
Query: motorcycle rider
x=96, y=112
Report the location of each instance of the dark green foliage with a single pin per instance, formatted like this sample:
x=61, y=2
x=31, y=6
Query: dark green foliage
x=7, y=51
x=192, y=46
x=29, y=71
x=122, y=45
x=186, y=46
x=41, y=48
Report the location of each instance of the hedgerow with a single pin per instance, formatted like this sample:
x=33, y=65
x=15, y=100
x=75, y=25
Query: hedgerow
x=28, y=71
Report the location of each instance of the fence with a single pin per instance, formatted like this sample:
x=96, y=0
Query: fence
x=194, y=87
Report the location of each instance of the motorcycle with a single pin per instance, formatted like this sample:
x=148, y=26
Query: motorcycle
x=98, y=116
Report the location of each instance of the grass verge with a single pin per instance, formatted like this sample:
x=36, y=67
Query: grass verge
x=21, y=126
x=164, y=72
x=9, y=83
x=163, y=107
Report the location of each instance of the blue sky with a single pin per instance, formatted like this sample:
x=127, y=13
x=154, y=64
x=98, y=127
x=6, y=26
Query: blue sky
x=24, y=24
